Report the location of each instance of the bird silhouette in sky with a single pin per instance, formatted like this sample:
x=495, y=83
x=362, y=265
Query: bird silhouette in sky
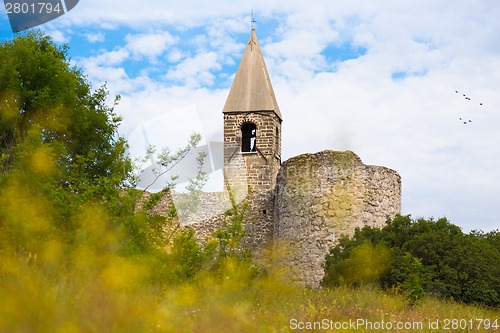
x=465, y=122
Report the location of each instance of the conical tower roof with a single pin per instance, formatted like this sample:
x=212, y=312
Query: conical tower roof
x=252, y=89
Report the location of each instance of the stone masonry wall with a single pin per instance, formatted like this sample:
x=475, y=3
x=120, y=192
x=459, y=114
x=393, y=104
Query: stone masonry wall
x=254, y=173
x=205, y=217
x=322, y=196
x=318, y=197
x=206, y=212
x=263, y=164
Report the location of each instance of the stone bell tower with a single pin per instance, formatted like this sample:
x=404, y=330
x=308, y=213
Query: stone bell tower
x=252, y=142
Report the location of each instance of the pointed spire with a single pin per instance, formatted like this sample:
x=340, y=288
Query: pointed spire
x=252, y=89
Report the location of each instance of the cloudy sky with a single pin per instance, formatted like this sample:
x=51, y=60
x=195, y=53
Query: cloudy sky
x=375, y=77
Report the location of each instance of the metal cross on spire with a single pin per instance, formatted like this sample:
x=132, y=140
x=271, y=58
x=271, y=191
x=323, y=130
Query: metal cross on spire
x=252, y=21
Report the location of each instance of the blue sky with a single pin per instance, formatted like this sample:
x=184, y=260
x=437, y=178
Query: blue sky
x=377, y=78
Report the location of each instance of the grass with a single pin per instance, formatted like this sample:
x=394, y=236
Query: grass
x=89, y=284
x=111, y=295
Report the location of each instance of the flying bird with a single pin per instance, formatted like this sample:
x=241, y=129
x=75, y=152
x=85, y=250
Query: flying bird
x=467, y=98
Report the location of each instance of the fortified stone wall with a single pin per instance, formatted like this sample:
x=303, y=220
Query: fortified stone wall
x=205, y=212
x=318, y=198
x=322, y=196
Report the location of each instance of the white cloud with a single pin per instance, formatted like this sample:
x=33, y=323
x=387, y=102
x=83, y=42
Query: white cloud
x=196, y=71
x=95, y=37
x=108, y=66
x=58, y=35
x=112, y=58
x=149, y=45
x=108, y=26
x=175, y=55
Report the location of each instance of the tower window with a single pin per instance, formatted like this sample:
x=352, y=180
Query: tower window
x=248, y=137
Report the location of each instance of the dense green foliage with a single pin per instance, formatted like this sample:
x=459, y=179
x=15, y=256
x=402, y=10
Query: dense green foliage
x=50, y=116
x=419, y=257
x=61, y=157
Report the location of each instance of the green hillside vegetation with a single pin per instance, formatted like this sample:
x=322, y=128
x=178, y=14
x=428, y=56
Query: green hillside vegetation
x=77, y=255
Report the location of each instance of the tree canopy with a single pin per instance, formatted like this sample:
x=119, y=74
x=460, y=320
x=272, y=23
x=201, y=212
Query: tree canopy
x=418, y=257
x=45, y=100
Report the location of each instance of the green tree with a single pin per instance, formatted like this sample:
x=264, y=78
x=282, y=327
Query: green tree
x=427, y=256
x=406, y=277
x=60, y=151
x=44, y=98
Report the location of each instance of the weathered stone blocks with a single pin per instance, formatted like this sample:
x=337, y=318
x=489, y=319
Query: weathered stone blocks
x=324, y=195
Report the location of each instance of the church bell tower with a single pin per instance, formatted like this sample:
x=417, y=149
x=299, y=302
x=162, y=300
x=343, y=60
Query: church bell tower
x=252, y=140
